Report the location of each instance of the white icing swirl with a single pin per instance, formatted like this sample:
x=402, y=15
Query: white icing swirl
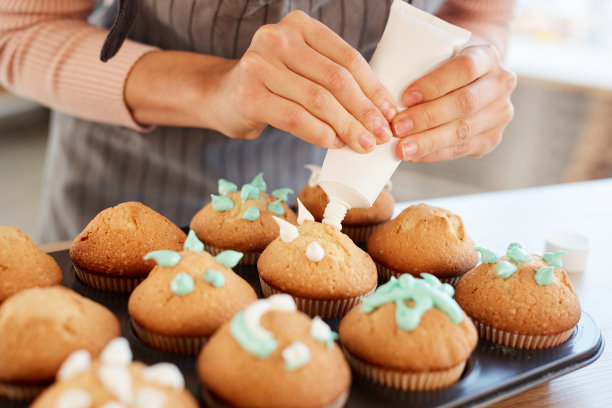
x=314, y=174
x=288, y=231
x=296, y=355
x=314, y=251
x=253, y=313
x=149, y=397
x=166, y=374
x=76, y=363
x=303, y=213
x=117, y=351
x=319, y=330
x=74, y=398
x=118, y=381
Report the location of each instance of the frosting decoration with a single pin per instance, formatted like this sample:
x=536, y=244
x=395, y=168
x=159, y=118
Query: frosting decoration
x=226, y=187
x=295, y=355
x=192, y=243
x=320, y=331
x=276, y=207
x=314, y=251
x=215, y=278
x=251, y=214
x=221, y=203
x=505, y=269
x=259, y=182
x=229, y=258
x=288, y=232
x=303, y=213
x=182, y=284
x=487, y=256
x=545, y=275
x=164, y=257
x=282, y=193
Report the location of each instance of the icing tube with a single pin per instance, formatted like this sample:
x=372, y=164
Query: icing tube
x=414, y=43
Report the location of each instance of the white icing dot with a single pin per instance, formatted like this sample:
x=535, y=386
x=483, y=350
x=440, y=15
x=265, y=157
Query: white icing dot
x=296, y=355
x=117, y=351
x=114, y=404
x=319, y=330
x=314, y=174
x=165, y=374
x=76, y=363
x=282, y=303
x=149, y=397
x=303, y=213
x=118, y=381
x=253, y=313
x=314, y=251
x=288, y=231
x=74, y=398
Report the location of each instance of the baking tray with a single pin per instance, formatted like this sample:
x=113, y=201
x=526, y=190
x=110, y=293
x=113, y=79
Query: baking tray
x=493, y=372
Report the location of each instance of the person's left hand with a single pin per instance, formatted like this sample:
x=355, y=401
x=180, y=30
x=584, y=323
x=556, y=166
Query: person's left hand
x=459, y=109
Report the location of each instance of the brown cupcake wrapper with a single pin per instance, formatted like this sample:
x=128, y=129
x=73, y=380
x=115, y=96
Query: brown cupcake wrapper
x=249, y=258
x=317, y=307
x=108, y=283
x=22, y=392
x=406, y=380
x=213, y=401
x=359, y=233
x=517, y=340
x=387, y=273
x=170, y=344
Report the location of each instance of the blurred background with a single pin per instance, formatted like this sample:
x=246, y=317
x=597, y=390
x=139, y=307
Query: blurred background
x=562, y=130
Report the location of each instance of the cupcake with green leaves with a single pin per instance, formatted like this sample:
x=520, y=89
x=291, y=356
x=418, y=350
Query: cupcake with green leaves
x=521, y=299
x=187, y=296
x=242, y=220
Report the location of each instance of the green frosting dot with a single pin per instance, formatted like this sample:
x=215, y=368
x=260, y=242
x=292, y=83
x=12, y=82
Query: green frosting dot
x=229, y=258
x=215, y=278
x=545, y=275
x=517, y=253
x=251, y=214
x=259, y=182
x=282, y=193
x=487, y=256
x=164, y=257
x=505, y=269
x=248, y=192
x=226, y=187
x=276, y=207
x=221, y=203
x=192, y=243
x=182, y=284
x=554, y=259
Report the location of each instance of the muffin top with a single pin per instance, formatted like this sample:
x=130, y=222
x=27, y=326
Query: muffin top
x=316, y=261
x=271, y=355
x=315, y=200
x=242, y=220
x=114, y=378
x=520, y=292
x=429, y=332
x=423, y=238
x=118, y=238
x=41, y=326
x=23, y=265
x=190, y=293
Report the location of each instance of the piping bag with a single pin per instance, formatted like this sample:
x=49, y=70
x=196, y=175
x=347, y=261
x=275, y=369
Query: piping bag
x=414, y=43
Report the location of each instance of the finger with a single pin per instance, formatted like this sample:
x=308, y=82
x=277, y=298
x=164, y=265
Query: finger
x=476, y=147
x=455, y=134
x=327, y=42
x=471, y=63
x=458, y=104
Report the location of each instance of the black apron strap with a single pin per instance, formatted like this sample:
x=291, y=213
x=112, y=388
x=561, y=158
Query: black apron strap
x=126, y=14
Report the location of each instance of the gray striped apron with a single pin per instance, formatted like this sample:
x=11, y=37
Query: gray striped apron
x=91, y=166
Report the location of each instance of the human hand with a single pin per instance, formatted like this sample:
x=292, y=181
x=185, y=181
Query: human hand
x=301, y=77
x=459, y=109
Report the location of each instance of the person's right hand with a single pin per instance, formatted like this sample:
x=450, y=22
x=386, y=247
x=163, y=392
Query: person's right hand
x=301, y=77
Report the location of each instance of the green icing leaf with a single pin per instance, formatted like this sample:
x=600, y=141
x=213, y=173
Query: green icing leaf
x=282, y=193
x=487, y=256
x=229, y=258
x=226, y=187
x=221, y=203
x=554, y=258
x=164, y=257
x=248, y=192
x=192, y=243
x=259, y=182
x=214, y=277
x=182, y=284
x=258, y=346
x=251, y=214
x=517, y=253
x=545, y=275
x=505, y=269
x=276, y=207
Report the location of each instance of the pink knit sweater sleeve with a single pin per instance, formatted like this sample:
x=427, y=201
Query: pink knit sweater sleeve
x=49, y=53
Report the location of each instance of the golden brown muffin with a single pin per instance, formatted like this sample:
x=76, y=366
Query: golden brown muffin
x=176, y=308
x=422, y=352
x=23, y=265
x=327, y=287
x=41, y=327
x=242, y=220
x=108, y=253
x=293, y=368
x=420, y=239
x=534, y=306
x=117, y=380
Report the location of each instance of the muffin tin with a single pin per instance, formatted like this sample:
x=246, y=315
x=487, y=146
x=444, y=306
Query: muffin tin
x=493, y=372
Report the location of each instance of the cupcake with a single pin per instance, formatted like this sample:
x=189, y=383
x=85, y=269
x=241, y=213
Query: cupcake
x=114, y=380
x=242, y=220
x=108, y=253
x=320, y=267
x=409, y=335
x=186, y=297
x=421, y=239
x=270, y=355
x=358, y=223
x=39, y=328
x=521, y=299
x=23, y=265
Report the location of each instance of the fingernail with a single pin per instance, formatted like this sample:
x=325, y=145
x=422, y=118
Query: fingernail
x=367, y=141
x=408, y=150
x=403, y=126
x=388, y=110
x=381, y=130
x=412, y=98
x=338, y=142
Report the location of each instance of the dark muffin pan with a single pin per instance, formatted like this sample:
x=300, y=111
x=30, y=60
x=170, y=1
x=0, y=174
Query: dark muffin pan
x=493, y=372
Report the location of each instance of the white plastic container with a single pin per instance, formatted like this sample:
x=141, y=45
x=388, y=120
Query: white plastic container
x=414, y=43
